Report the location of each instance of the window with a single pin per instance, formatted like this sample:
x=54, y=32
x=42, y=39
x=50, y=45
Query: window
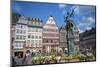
x=24, y=37
x=17, y=26
x=32, y=41
x=40, y=30
x=56, y=30
x=40, y=41
x=16, y=45
x=40, y=37
x=36, y=30
x=17, y=31
x=40, y=23
x=76, y=33
x=17, y=37
x=47, y=41
x=37, y=23
x=19, y=45
x=35, y=41
x=21, y=26
x=21, y=31
x=48, y=30
x=28, y=41
x=29, y=36
x=24, y=26
x=21, y=37
x=32, y=29
x=36, y=37
x=24, y=31
x=51, y=41
x=44, y=29
x=29, y=29
x=33, y=36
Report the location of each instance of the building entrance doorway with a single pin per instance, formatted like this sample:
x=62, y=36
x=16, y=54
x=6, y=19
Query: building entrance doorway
x=19, y=54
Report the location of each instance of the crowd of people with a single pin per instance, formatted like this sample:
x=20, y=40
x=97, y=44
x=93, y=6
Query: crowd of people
x=25, y=60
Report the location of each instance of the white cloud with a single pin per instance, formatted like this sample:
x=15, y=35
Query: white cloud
x=86, y=19
x=88, y=28
x=76, y=9
x=62, y=6
x=64, y=12
x=86, y=23
x=17, y=8
x=82, y=10
x=80, y=30
x=91, y=19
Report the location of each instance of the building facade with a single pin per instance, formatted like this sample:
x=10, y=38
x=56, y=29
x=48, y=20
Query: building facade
x=63, y=38
x=30, y=34
x=34, y=35
x=50, y=36
x=19, y=36
x=88, y=41
x=76, y=38
x=26, y=35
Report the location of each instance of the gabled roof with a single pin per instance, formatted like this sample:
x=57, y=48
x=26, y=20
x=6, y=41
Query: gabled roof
x=51, y=20
x=50, y=23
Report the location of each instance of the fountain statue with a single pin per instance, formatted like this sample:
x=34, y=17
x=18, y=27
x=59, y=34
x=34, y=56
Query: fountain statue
x=70, y=37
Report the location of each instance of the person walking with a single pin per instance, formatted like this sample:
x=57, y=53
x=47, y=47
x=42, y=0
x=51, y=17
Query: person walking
x=27, y=57
x=24, y=60
x=13, y=62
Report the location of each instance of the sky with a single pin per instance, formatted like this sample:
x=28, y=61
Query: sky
x=84, y=15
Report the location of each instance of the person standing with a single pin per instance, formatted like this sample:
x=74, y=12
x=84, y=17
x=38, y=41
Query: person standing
x=27, y=58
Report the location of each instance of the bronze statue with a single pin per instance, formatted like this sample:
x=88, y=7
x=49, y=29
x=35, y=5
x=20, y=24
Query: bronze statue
x=70, y=37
